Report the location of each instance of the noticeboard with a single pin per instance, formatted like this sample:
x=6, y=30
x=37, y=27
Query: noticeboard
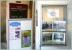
x=20, y=34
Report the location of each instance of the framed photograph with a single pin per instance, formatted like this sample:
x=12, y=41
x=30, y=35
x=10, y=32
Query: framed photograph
x=59, y=38
x=55, y=26
x=59, y=26
x=46, y=38
x=46, y=26
x=53, y=38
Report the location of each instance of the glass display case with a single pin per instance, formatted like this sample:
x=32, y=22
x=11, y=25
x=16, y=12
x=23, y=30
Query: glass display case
x=53, y=25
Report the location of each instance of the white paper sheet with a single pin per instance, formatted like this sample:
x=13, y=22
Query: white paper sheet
x=52, y=13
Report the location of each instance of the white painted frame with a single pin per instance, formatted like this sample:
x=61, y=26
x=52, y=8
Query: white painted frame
x=39, y=18
x=7, y=18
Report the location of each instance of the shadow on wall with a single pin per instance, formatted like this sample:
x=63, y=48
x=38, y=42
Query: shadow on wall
x=3, y=25
x=3, y=21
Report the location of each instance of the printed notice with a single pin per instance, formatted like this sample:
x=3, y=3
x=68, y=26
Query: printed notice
x=52, y=13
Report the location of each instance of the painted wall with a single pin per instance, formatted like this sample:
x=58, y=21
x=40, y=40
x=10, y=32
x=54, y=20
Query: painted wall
x=70, y=20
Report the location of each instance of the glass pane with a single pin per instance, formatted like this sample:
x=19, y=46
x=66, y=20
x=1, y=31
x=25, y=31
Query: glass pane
x=53, y=24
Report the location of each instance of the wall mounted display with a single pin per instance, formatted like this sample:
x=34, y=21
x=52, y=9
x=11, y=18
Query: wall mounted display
x=49, y=38
x=20, y=34
x=53, y=25
x=20, y=10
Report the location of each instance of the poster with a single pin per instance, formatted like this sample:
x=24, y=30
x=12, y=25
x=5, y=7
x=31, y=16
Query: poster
x=14, y=30
x=53, y=13
x=26, y=38
x=19, y=34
